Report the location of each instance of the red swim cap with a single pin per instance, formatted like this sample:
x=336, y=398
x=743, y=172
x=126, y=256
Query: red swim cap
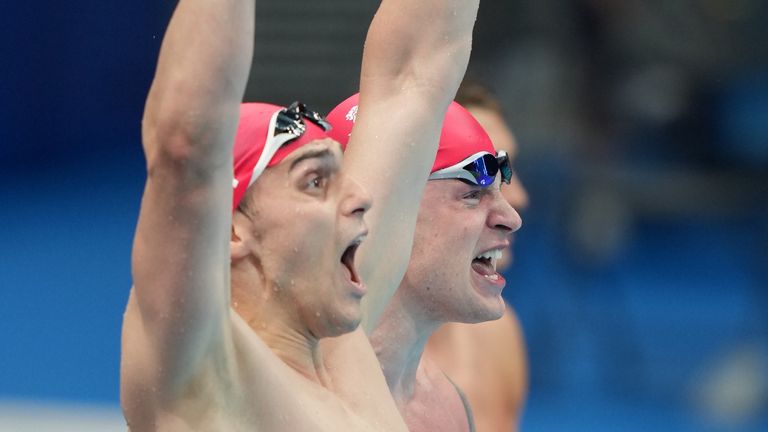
x=461, y=137
x=255, y=134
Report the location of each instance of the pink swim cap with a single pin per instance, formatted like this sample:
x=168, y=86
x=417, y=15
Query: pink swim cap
x=461, y=136
x=261, y=143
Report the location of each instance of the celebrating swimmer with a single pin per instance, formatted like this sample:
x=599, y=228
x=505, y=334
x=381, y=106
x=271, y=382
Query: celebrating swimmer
x=463, y=227
x=245, y=260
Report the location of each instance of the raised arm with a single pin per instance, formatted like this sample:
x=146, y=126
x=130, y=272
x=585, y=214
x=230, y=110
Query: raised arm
x=415, y=56
x=180, y=263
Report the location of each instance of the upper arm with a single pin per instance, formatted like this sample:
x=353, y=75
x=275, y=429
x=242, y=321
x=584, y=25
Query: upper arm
x=180, y=260
x=415, y=56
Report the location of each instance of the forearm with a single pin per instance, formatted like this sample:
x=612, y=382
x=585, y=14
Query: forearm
x=418, y=45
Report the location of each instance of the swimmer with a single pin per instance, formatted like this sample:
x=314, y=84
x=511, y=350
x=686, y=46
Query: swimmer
x=241, y=274
x=463, y=225
x=488, y=360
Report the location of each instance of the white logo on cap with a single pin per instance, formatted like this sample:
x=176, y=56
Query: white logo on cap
x=352, y=114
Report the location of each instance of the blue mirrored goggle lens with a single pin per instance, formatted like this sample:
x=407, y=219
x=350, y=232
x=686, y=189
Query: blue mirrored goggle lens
x=483, y=169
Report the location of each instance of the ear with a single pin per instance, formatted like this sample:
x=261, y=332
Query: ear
x=238, y=243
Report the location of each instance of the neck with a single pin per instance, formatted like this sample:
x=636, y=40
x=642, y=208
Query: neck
x=276, y=323
x=443, y=340
x=399, y=342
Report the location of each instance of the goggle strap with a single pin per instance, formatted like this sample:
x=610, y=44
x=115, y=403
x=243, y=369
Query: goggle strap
x=271, y=145
x=453, y=175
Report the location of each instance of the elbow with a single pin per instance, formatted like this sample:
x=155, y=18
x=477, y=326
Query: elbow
x=183, y=142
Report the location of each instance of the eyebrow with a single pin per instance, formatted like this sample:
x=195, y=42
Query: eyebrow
x=319, y=153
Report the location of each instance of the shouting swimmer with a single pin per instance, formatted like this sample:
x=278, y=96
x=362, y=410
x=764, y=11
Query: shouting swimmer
x=488, y=360
x=463, y=225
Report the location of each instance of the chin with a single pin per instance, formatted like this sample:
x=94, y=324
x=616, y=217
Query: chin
x=343, y=328
x=344, y=322
x=485, y=310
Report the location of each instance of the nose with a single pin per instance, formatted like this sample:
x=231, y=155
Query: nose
x=503, y=216
x=356, y=199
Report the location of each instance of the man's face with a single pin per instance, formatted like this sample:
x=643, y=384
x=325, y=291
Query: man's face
x=307, y=220
x=502, y=139
x=459, y=225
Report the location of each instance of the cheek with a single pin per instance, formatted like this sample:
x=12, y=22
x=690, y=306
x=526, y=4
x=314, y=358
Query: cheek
x=313, y=239
x=448, y=233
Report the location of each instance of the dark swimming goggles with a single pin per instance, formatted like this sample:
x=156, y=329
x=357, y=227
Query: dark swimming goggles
x=286, y=125
x=290, y=120
x=479, y=169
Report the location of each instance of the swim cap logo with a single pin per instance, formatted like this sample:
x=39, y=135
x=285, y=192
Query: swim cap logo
x=352, y=114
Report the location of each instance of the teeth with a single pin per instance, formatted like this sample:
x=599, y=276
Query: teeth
x=494, y=255
x=493, y=277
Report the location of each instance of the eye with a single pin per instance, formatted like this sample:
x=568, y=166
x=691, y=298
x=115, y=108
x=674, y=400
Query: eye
x=317, y=181
x=473, y=197
x=474, y=194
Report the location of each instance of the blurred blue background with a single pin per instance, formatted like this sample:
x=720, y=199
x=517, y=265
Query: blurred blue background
x=641, y=273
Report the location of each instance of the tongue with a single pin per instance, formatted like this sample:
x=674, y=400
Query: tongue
x=348, y=271
x=347, y=261
x=483, y=268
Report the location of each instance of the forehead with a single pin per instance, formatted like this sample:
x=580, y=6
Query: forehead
x=325, y=148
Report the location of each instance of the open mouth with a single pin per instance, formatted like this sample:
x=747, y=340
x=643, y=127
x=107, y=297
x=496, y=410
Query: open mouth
x=348, y=260
x=485, y=264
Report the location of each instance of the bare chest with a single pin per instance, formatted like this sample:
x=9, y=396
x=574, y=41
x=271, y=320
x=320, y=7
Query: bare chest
x=278, y=404
x=249, y=389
